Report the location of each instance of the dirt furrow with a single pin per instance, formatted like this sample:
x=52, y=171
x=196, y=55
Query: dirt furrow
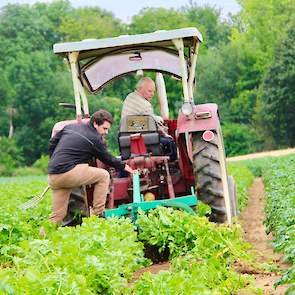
x=251, y=220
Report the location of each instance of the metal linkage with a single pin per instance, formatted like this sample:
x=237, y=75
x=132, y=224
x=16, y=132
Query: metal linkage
x=131, y=210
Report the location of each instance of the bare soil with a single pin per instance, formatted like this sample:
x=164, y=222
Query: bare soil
x=251, y=220
x=276, y=153
x=154, y=269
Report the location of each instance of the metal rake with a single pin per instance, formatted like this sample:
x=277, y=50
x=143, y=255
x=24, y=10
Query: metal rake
x=34, y=201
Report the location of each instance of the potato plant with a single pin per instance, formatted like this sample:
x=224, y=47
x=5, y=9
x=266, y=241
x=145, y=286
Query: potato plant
x=278, y=174
x=97, y=257
x=279, y=180
x=202, y=255
x=100, y=256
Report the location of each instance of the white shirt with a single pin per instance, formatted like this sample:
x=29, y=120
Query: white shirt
x=136, y=104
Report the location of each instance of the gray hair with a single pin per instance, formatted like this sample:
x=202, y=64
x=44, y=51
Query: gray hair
x=142, y=81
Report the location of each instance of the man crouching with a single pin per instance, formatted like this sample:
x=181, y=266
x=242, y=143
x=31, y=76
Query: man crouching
x=70, y=151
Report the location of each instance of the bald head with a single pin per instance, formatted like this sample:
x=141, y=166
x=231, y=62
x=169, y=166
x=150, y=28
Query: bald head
x=146, y=87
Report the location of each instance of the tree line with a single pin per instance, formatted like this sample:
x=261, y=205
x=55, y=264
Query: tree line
x=246, y=65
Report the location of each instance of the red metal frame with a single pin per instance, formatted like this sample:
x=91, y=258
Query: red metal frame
x=185, y=164
x=190, y=124
x=172, y=126
x=153, y=167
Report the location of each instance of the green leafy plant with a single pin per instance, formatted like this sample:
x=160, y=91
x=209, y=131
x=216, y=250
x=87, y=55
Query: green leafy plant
x=99, y=256
x=202, y=254
x=10, y=156
x=279, y=180
x=243, y=178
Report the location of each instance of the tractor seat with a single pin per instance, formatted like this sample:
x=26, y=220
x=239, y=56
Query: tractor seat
x=147, y=127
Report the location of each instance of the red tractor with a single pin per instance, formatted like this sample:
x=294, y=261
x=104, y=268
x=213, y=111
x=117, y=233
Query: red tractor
x=200, y=165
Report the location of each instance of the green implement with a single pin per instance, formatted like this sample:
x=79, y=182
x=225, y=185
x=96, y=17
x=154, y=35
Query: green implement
x=131, y=210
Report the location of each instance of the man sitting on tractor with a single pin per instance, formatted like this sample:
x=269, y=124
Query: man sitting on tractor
x=70, y=151
x=139, y=103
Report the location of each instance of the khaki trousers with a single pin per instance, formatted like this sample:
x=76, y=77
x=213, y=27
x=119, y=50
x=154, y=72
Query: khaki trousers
x=81, y=174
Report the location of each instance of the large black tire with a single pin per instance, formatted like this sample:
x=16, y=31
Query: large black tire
x=207, y=173
x=77, y=208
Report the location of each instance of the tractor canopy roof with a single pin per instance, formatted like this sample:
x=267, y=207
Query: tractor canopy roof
x=98, y=47
x=100, y=61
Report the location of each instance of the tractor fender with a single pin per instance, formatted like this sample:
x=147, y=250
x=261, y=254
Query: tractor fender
x=204, y=117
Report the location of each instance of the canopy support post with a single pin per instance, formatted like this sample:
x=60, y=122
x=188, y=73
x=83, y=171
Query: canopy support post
x=73, y=57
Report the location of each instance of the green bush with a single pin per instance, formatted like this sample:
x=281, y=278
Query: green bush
x=42, y=163
x=240, y=139
x=24, y=171
x=38, y=168
x=10, y=156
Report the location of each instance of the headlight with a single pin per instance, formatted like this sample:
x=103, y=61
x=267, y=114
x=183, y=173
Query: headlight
x=187, y=108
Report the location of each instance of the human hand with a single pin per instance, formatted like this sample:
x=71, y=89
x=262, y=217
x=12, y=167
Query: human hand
x=129, y=169
x=164, y=131
x=160, y=121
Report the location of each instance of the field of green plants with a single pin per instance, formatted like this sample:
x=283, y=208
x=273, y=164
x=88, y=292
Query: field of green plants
x=101, y=256
x=279, y=180
x=278, y=176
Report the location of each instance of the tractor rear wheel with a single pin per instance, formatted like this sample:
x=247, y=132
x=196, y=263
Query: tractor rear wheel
x=207, y=173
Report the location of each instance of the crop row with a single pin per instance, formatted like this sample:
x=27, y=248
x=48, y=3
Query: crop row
x=101, y=255
x=279, y=180
x=278, y=174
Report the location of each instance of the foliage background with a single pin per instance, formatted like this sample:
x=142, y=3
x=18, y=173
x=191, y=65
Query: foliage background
x=246, y=65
